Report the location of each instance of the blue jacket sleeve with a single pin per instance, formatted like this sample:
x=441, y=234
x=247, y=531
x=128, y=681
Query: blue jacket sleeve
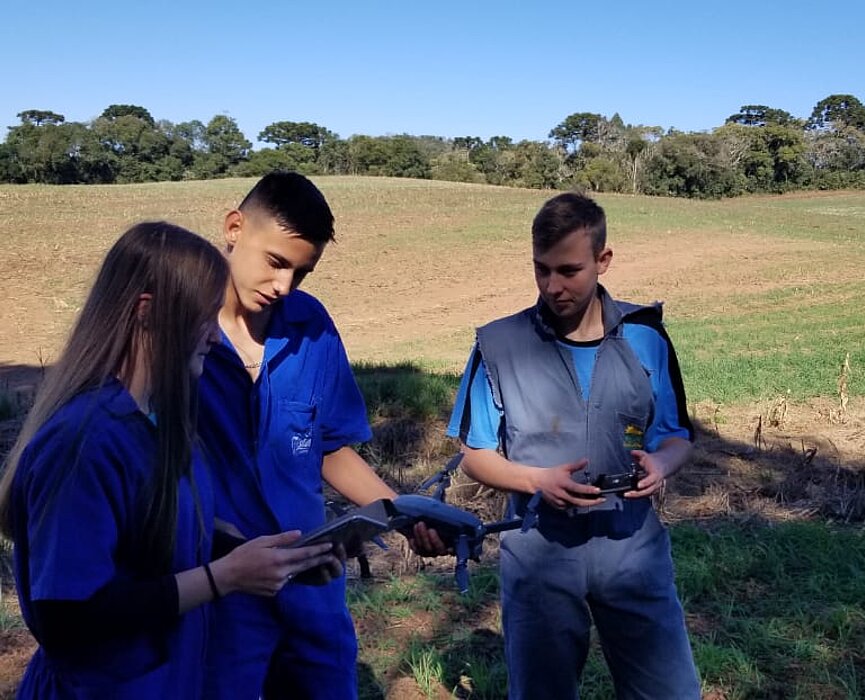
x=74, y=518
x=344, y=420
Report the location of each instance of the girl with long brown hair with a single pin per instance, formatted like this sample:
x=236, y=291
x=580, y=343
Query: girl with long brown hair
x=107, y=497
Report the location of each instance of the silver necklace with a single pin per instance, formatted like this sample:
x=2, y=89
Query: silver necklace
x=249, y=365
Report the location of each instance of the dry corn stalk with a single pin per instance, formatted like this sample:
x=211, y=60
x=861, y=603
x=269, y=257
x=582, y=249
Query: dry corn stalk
x=842, y=387
x=778, y=411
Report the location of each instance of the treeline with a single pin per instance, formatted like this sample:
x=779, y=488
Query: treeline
x=757, y=149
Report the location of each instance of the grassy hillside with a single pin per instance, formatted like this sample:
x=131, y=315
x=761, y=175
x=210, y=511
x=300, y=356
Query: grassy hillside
x=762, y=293
x=763, y=298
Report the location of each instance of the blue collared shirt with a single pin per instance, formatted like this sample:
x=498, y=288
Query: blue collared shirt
x=266, y=439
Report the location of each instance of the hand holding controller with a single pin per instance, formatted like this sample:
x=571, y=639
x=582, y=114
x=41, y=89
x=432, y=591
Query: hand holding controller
x=619, y=483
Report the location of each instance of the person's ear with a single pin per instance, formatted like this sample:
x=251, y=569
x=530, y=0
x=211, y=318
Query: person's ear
x=232, y=227
x=604, y=259
x=142, y=308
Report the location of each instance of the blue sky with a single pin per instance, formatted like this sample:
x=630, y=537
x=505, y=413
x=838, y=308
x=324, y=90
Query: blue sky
x=478, y=68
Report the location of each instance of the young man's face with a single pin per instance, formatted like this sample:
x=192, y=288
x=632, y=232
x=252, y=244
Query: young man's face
x=567, y=274
x=267, y=262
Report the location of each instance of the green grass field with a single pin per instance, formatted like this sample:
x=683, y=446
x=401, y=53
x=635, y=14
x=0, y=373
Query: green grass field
x=774, y=612
x=763, y=298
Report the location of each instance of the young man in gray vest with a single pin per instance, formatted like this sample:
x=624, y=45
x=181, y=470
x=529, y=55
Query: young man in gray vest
x=553, y=398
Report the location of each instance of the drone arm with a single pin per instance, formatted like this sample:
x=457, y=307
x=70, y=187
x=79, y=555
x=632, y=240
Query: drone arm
x=442, y=478
x=461, y=570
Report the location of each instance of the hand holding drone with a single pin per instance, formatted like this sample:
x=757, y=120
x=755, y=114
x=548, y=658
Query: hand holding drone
x=461, y=531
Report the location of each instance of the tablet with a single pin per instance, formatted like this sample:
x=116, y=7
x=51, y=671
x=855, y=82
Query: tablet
x=352, y=529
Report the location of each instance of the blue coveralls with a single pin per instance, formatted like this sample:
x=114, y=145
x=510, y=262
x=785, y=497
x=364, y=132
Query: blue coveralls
x=266, y=440
x=523, y=393
x=71, y=541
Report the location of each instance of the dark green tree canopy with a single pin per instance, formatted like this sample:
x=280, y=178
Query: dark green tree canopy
x=467, y=143
x=576, y=129
x=192, y=132
x=38, y=117
x=304, y=133
x=761, y=115
x=500, y=143
x=113, y=112
x=758, y=149
x=837, y=112
x=225, y=146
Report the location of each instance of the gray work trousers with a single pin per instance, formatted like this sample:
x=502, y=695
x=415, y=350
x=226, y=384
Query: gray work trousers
x=559, y=578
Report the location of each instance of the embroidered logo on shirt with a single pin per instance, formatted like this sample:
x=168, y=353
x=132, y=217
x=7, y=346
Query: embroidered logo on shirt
x=300, y=444
x=633, y=437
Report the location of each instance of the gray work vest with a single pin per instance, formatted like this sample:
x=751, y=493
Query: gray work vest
x=546, y=420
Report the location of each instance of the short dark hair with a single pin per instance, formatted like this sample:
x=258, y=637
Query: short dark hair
x=565, y=214
x=295, y=203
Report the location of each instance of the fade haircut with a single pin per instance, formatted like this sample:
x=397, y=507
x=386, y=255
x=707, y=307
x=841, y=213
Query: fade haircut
x=295, y=203
x=565, y=214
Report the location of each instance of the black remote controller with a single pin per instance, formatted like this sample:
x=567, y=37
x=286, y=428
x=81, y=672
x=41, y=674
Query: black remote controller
x=618, y=483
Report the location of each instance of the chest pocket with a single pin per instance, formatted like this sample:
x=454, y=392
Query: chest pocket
x=630, y=435
x=295, y=435
x=622, y=409
x=624, y=382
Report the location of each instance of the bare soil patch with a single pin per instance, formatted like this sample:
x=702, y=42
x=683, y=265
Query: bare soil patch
x=16, y=643
x=775, y=461
x=769, y=461
x=414, y=270
x=16, y=648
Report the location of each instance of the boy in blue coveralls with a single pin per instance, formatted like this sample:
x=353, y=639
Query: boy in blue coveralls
x=578, y=386
x=279, y=411
x=106, y=497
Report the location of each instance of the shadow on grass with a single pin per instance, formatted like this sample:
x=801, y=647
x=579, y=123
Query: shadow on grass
x=770, y=570
x=767, y=541
x=408, y=408
x=366, y=680
x=774, y=610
